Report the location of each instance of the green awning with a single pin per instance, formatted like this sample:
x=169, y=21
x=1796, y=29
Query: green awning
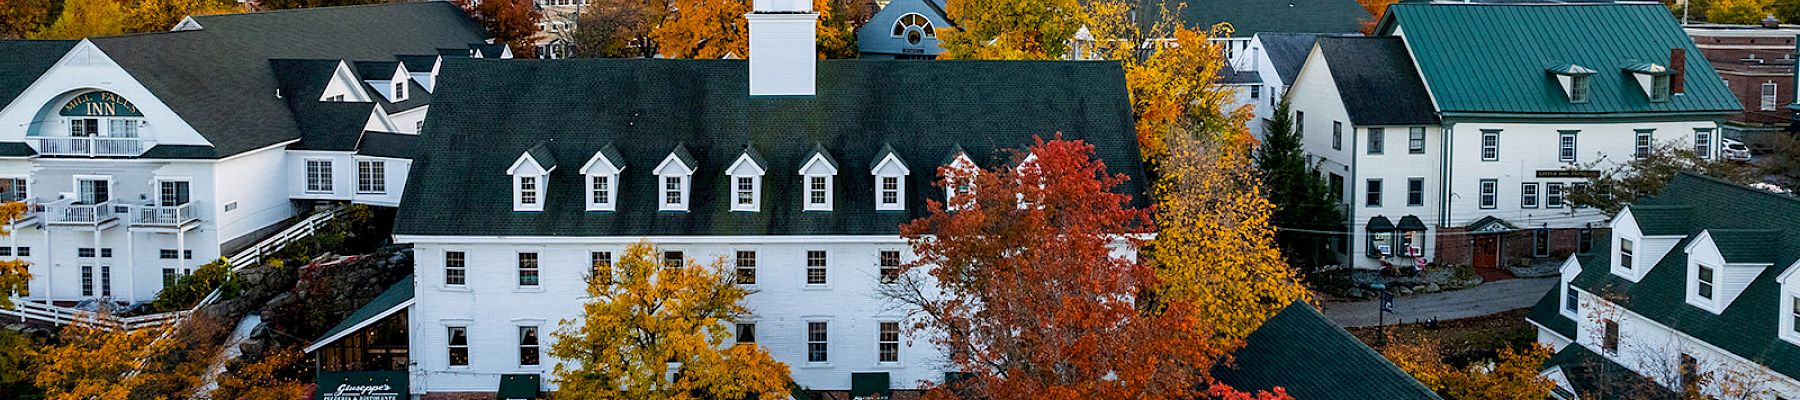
x=864, y=384
x=518, y=386
x=1411, y=224
x=1380, y=224
x=395, y=298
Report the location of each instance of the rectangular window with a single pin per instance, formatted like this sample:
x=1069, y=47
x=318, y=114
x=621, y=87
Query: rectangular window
x=1337, y=135
x=1415, y=192
x=528, y=345
x=528, y=190
x=1528, y=195
x=1336, y=184
x=1553, y=195
x=1373, y=197
x=673, y=259
x=26, y=252
x=1415, y=140
x=459, y=346
x=601, y=189
x=84, y=252
x=87, y=281
x=601, y=264
x=671, y=191
x=1377, y=141
x=1626, y=251
x=816, y=190
x=1540, y=242
x=1566, y=147
x=528, y=269
x=815, y=267
x=889, y=342
x=746, y=191
x=318, y=176
x=106, y=252
x=455, y=268
x=1571, y=298
x=746, y=267
x=816, y=340
x=371, y=177
x=1609, y=340
x=1490, y=145
x=400, y=90
x=1642, y=144
x=1579, y=88
x=169, y=277
x=1703, y=143
x=890, y=190
x=1300, y=124
x=1769, y=97
x=1255, y=91
x=890, y=266
x=84, y=127
x=1659, y=88
x=1586, y=240
x=1703, y=282
x=172, y=193
x=105, y=281
x=1796, y=311
x=93, y=191
x=746, y=333
x=1490, y=193
x=166, y=254
x=14, y=189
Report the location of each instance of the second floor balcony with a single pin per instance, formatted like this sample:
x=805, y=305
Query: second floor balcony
x=92, y=146
x=70, y=212
x=164, y=216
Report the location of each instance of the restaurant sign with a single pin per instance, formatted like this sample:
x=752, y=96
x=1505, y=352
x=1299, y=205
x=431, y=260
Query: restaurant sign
x=362, y=385
x=1568, y=173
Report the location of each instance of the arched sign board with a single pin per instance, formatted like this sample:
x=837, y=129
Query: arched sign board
x=99, y=104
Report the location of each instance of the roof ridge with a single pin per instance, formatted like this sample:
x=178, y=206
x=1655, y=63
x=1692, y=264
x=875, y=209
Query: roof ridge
x=1735, y=185
x=309, y=9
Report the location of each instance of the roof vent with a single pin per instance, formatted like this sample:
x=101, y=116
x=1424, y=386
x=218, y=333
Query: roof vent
x=1770, y=22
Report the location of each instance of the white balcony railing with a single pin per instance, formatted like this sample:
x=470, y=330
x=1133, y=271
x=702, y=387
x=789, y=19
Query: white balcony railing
x=92, y=146
x=67, y=212
x=164, y=215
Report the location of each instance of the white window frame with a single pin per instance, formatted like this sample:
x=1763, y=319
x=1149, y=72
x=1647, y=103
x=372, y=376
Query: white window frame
x=324, y=180
x=21, y=187
x=538, y=347
x=462, y=266
x=1377, y=141
x=1790, y=308
x=899, y=337
x=817, y=168
x=1567, y=308
x=1703, y=143
x=1415, y=140
x=1770, y=96
x=1701, y=281
x=825, y=341
x=739, y=266
x=1566, y=146
x=1627, y=254
x=157, y=184
x=673, y=168
x=399, y=90
x=1528, y=195
x=824, y=269
x=1490, y=151
x=1553, y=195
x=961, y=161
x=1643, y=143
x=596, y=167
x=528, y=167
x=1488, y=197
x=896, y=170
x=537, y=270
x=612, y=192
x=371, y=176
x=449, y=347
x=740, y=170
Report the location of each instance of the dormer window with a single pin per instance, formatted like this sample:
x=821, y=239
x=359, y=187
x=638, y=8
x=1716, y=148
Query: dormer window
x=1576, y=81
x=1706, y=282
x=530, y=176
x=675, y=181
x=1653, y=79
x=399, y=90
x=959, y=189
x=890, y=180
x=602, y=174
x=1626, y=249
x=816, y=176
x=745, y=175
x=1790, y=304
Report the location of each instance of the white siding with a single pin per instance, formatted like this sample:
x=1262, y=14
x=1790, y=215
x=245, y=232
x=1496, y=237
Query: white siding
x=1528, y=148
x=253, y=186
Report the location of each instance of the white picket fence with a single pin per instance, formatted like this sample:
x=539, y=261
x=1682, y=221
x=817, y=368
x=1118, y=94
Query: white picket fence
x=27, y=310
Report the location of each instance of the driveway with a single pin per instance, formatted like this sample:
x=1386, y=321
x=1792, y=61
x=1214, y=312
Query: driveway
x=1487, y=298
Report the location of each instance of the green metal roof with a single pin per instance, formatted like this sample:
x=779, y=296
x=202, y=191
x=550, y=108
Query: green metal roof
x=1492, y=58
x=399, y=295
x=1312, y=358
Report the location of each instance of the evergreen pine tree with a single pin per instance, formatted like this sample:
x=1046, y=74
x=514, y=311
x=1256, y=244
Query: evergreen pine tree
x=1304, y=208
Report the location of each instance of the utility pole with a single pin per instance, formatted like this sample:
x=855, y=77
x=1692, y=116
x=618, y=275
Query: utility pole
x=1684, y=11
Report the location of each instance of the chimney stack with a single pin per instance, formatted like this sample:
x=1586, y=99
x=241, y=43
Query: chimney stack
x=1677, y=69
x=783, y=53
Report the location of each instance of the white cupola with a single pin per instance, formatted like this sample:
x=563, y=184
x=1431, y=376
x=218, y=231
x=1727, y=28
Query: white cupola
x=783, y=53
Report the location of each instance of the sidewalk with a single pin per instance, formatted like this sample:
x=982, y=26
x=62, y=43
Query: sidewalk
x=1488, y=298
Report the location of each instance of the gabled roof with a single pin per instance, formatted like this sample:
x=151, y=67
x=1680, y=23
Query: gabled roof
x=1301, y=351
x=1287, y=52
x=377, y=70
x=1548, y=313
x=418, y=63
x=818, y=152
x=922, y=110
x=607, y=154
x=1748, y=326
x=388, y=144
x=397, y=297
x=1669, y=220
x=25, y=61
x=1747, y=246
x=680, y=155
x=1231, y=76
x=1492, y=59
x=882, y=156
x=754, y=158
x=1251, y=17
x=218, y=79
x=323, y=125
x=541, y=154
x=1597, y=377
x=416, y=96
x=1376, y=79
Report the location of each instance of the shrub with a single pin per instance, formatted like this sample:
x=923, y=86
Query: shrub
x=190, y=289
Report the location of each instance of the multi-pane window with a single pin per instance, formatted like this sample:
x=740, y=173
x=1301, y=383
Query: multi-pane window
x=816, y=342
x=1377, y=141
x=14, y=189
x=673, y=259
x=1528, y=195
x=601, y=262
x=169, y=277
x=817, y=190
x=888, y=342
x=1571, y=298
x=1337, y=135
x=1659, y=88
x=1703, y=282
x=399, y=90
x=746, y=191
x=1703, y=143
x=1490, y=193
x=890, y=191
x=1641, y=146
x=84, y=127
x=890, y=265
x=815, y=267
x=87, y=280
x=172, y=193
x=1566, y=147
x=528, y=269
x=1373, y=197
x=1580, y=87
x=672, y=191
x=371, y=176
x=1795, y=308
x=1415, y=191
x=318, y=176
x=1415, y=140
x=1769, y=98
x=1300, y=124
x=1553, y=195
x=600, y=190
x=1609, y=339
x=459, y=345
x=1627, y=249
x=84, y=252
x=167, y=254
x=1586, y=239
x=455, y=268
x=746, y=333
x=746, y=267
x=528, y=190
x=1490, y=145
x=528, y=345
x=105, y=281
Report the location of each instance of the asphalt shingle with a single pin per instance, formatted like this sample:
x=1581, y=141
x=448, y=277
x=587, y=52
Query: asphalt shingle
x=1301, y=351
x=1376, y=79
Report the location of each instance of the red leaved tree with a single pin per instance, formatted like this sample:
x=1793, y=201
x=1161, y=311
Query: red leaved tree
x=512, y=22
x=1029, y=282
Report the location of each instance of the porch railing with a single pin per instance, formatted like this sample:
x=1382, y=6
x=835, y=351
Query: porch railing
x=67, y=212
x=164, y=215
x=92, y=146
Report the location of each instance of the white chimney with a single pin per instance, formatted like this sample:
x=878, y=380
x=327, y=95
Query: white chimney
x=783, y=54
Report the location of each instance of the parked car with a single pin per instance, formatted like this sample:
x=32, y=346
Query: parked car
x=1735, y=150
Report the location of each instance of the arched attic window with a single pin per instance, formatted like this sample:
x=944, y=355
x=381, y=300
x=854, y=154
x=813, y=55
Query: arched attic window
x=914, y=27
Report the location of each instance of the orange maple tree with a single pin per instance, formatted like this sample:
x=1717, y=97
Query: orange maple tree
x=512, y=22
x=1026, y=279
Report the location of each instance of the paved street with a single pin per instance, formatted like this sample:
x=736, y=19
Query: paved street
x=1489, y=298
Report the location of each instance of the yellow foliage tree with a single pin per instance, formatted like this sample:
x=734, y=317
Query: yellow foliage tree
x=1738, y=11
x=1512, y=375
x=263, y=379
x=1010, y=29
x=87, y=18
x=97, y=362
x=704, y=29
x=161, y=15
x=1170, y=69
x=15, y=274
x=646, y=320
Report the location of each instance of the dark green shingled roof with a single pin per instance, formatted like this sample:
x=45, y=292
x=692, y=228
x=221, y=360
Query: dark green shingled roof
x=1301, y=351
x=25, y=61
x=16, y=149
x=1747, y=246
x=1492, y=59
x=1376, y=80
x=1748, y=327
x=395, y=295
x=487, y=112
x=219, y=78
x=1548, y=313
x=1596, y=377
x=418, y=63
x=1657, y=220
x=385, y=144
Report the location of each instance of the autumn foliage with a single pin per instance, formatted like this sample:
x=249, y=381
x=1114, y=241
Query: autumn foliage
x=512, y=22
x=1512, y=375
x=88, y=18
x=1030, y=286
x=646, y=320
x=1009, y=29
x=15, y=274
